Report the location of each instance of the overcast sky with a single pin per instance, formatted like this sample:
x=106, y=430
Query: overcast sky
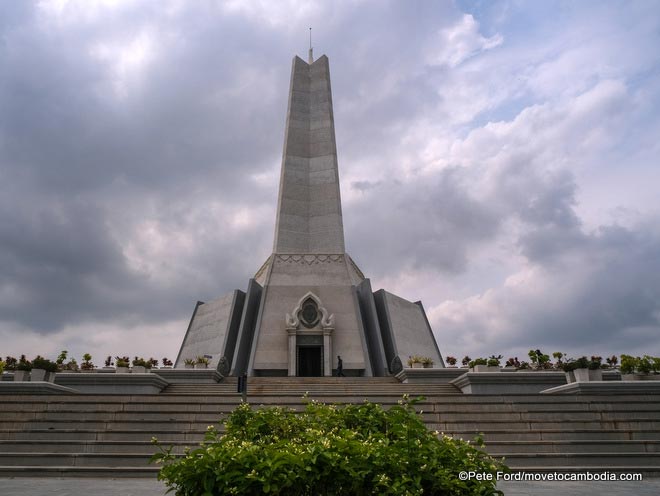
x=498, y=161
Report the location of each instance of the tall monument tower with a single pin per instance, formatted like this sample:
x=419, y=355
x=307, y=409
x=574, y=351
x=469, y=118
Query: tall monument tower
x=309, y=302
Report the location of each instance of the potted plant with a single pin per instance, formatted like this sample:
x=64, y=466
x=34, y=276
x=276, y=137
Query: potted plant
x=61, y=366
x=140, y=366
x=512, y=363
x=189, y=363
x=87, y=365
x=42, y=369
x=10, y=364
x=466, y=361
x=595, y=371
x=558, y=355
x=581, y=369
x=201, y=362
x=644, y=366
x=152, y=363
x=167, y=363
x=627, y=369
x=451, y=361
x=612, y=361
x=569, y=367
x=23, y=368
x=108, y=364
x=479, y=365
x=524, y=366
x=122, y=364
x=493, y=363
x=72, y=366
x=427, y=362
x=2, y=368
x=539, y=359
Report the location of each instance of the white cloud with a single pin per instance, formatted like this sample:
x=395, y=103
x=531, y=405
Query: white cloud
x=461, y=41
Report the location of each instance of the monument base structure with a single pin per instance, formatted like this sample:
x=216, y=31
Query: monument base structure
x=309, y=303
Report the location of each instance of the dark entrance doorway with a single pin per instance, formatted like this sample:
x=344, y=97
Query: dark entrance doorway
x=309, y=361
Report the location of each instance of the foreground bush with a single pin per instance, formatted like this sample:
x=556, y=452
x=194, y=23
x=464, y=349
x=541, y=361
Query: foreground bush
x=327, y=450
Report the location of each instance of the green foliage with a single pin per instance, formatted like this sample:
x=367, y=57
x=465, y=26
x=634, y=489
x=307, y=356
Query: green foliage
x=327, y=449
x=2, y=367
x=11, y=363
x=141, y=362
x=24, y=364
x=582, y=363
x=61, y=357
x=595, y=362
x=494, y=361
x=478, y=361
x=122, y=361
x=44, y=364
x=539, y=359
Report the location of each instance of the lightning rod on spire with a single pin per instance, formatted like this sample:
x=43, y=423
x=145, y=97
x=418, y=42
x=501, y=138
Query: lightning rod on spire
x=311, y=54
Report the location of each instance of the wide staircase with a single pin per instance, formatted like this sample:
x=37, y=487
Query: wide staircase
x=110, y=435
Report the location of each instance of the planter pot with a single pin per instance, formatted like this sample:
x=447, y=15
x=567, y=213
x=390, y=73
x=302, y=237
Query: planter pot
x=138, y=369
x=596, y=375
x=451, y=366
x=21, y=375
x=480, y=368
x=201, y=366
x=493, y=368
x=189, y=366
x=428, y=365
x=109, y=369
x=38, y=375
x=581, y=375
x=570, y=377
x=87, y=371
x=166, y=368
x=122, y=370
x=630, y=377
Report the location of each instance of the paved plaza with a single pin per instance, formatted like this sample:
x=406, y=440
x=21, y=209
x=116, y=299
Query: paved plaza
x=147, y=487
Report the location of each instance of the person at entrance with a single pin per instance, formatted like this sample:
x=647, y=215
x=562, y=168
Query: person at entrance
x=340, y=367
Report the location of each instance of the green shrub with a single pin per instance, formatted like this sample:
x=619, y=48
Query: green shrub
x=327, y=449
x=44, y=364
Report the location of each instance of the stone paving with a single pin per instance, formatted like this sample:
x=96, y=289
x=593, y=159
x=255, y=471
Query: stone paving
x=147, y=487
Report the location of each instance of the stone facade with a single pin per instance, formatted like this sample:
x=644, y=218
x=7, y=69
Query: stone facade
x=264, y=332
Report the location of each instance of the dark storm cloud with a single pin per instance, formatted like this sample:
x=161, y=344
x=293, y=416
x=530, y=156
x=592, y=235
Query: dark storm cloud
x=437, y=213
x=118, y=119
x=82, y=166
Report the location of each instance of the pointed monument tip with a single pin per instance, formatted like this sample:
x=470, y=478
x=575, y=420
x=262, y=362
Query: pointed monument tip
x=299, y=59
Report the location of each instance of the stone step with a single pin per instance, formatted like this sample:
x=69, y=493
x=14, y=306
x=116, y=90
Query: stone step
x=106, y=434
x=615, y=412
x=573, y=446
x=592, y=460
x=511, y=401
x=190, y=436
x=46, y=459
x=146, y=448
x=429, y=415
x=143, y=448
x=70, y=471
x=495, y=435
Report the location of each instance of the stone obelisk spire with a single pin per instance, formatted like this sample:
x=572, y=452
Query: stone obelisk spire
x=309, y=218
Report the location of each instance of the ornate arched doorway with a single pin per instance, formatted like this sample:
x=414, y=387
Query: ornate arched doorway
x=310, y=328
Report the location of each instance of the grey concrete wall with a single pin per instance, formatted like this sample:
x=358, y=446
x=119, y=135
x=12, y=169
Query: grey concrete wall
x=246, y=329
x=411, y=332
x=209, y=328
x=291, y=277
x=309, y=218
x=372, y=329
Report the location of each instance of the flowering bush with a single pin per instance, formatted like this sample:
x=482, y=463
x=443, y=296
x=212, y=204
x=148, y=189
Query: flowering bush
x=327, y=449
